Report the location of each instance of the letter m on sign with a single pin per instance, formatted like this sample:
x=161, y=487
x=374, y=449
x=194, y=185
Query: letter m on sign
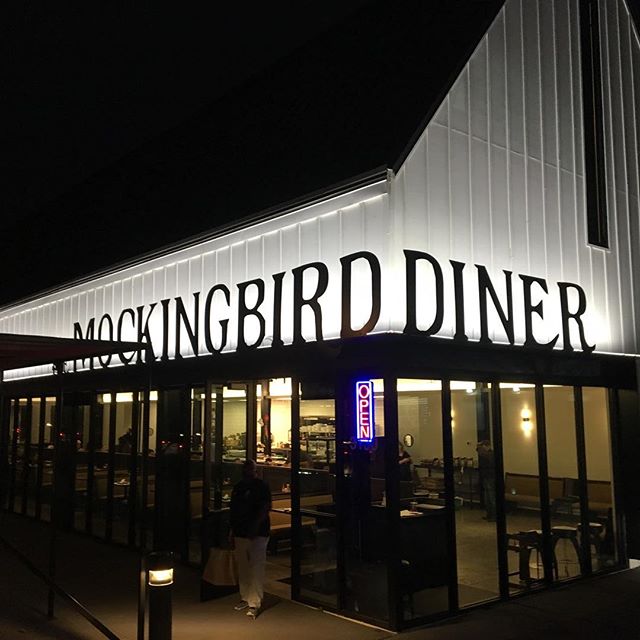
x=364, y=411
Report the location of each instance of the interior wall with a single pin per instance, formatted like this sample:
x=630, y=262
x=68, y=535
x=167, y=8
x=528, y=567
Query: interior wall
x=235, y=416
x=420, y=415
x=562, y=455
x=596, y=433
x=280, y=420
x=520, y=451
x=464, y=424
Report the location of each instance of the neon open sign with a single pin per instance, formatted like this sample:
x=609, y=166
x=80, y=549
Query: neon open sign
x=364, y=411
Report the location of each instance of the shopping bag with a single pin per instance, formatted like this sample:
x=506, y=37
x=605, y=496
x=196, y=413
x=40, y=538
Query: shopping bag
x=221, y=568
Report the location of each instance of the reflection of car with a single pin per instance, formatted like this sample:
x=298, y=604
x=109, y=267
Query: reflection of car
x=233, y=455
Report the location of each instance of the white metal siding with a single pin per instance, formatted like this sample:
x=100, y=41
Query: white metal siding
x=317, y=233
x=497, y=177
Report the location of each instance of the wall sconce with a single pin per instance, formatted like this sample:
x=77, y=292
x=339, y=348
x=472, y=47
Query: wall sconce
x=516, y=389
x=453, y=422
x=527, y=425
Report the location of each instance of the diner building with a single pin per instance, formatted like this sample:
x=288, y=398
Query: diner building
x=434, y=361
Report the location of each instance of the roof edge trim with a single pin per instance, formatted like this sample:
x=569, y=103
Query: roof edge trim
x=345, y=193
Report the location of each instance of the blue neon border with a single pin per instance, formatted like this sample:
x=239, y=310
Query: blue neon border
x=373, y=424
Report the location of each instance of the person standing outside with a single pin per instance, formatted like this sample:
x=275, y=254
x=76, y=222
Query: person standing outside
x=250, y=505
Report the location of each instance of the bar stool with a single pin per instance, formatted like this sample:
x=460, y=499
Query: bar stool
x=596, y=531
x=527, y=542
x=570, y=534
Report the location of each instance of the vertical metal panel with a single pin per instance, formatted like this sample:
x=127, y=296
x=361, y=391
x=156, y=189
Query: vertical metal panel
x=496, y=80
x=518, y=212
x=513, y=40
x=460, y=206
x=459, y=103
x=547, y=53
x=531, y=79
x=415, y=192
x=480, y=202
x=478, y=99
x=535, y=208
x=501, y=224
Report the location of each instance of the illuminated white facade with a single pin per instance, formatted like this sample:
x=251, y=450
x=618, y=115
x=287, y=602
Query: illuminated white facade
x=496, y=179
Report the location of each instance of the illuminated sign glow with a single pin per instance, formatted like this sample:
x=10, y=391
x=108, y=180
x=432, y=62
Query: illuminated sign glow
x=364, y=411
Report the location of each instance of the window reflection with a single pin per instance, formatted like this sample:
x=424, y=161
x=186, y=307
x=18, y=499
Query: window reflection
x=475, y=492
x=564, y=490
x=601, y=534
x=522, y=486
x=424, y=567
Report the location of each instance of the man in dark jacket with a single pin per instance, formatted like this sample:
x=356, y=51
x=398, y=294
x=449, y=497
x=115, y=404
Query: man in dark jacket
x=250, y=505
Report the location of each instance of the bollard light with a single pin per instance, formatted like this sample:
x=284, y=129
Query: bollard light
x=160, y=577
x=160, y=574
x=160, y=569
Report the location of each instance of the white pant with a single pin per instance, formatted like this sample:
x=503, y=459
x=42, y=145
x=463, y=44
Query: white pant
x=251, y=557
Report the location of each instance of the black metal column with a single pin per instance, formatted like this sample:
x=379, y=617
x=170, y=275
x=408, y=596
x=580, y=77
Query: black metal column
x=543, y=477
x=616, y=473
x=449, y=492
x=111, y=470
x=585, y=543
x=501, y=521
x=392, y=488
x=296, y=518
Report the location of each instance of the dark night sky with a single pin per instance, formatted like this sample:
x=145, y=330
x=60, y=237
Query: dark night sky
x=90, y=83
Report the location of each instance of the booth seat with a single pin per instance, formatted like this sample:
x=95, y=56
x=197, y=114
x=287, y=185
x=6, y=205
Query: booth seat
x=599, y=492
x=281, y=519
x=524, y=489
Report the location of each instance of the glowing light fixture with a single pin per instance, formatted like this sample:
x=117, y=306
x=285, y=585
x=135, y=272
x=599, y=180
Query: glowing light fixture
x=160, y=569
x=364, y=411
x=127, y=396
x=526, y=425
x=160, y=577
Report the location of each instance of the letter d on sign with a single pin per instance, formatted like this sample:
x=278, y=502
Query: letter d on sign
x=364, y=411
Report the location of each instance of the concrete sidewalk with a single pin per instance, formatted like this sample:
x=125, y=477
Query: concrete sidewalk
x=601, y=608
x=104, y=579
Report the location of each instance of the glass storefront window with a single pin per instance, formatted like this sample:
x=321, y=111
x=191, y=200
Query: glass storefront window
x=366, y=523
x=475, y=492
x=124, y=439
x=602, y=534
x=318, y=580
x=522, y=486
x=101, y=466
x=234, y=436
x=196, y=469
x=80, y=424
x=423, y=567
x=564, y=489
x=35, y=458
x=46, y=489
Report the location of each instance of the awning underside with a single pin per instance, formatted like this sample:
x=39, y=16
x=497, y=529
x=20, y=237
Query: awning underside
x=18, y=351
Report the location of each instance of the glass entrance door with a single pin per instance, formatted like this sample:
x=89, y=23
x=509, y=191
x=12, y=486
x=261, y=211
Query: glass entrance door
x=314, y=517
